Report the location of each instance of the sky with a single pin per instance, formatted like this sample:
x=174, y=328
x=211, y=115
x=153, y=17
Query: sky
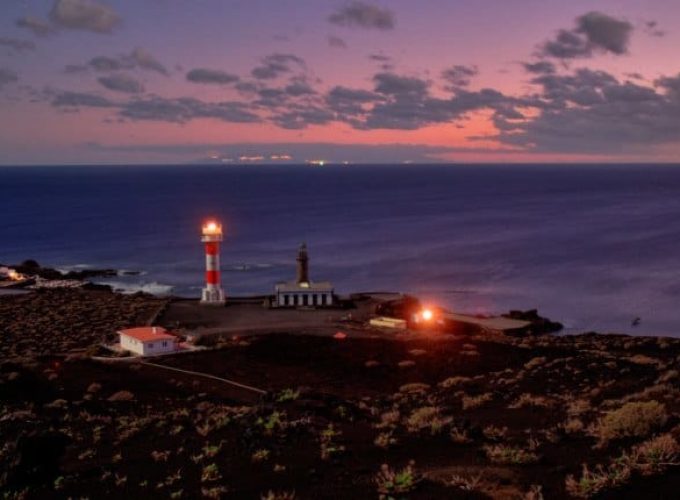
x=389, y=81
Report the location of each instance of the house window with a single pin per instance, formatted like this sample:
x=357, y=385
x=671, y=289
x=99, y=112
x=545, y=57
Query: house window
x=151, y=346
x=165, y=344
x=285, y=300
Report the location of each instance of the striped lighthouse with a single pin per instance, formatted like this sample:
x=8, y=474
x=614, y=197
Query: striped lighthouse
x=212, y=236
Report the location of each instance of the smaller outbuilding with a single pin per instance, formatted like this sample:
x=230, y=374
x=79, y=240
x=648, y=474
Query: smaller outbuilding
x=148, y=340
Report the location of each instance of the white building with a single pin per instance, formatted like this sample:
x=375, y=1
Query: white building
x=302, y=292
x=148, y=340
x=293, y=294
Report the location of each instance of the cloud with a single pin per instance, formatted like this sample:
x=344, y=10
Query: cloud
x=138, y=58
x=143, y=59
x=39, y=27
x=299, y=87
x=594, y=32
x=652, y=29
x=406, y=103
x=105, y=63
x=16, y=45
x=185, y=109
x=336, y=42
x=7, y=76
x=393, y=84
x=593, y=112
x=299, y=117
x=210, y=76
x=459, y=75
x=362, y=15
x=275, y=65
x=540, y=67
x=155, y=108
x=120, y=82
x=68, y=99
x=86, y=15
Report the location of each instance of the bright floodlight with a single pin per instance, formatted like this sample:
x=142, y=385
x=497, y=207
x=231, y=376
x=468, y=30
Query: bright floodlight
x=427, y=314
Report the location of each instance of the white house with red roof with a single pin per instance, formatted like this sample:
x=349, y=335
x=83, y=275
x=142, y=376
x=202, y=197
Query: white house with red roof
x=148, y=340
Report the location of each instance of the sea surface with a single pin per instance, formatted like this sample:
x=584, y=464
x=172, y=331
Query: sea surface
x=593, y=246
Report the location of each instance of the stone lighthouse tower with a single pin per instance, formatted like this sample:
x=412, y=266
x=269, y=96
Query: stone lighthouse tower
x=303, y=265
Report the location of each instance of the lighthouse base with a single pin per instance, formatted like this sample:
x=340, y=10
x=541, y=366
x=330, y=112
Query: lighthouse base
x=213, y=297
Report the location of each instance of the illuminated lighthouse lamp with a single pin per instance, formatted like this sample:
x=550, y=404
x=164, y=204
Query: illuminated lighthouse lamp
x=212, y=237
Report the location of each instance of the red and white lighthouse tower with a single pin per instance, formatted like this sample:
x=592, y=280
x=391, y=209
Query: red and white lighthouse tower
x=212, y=236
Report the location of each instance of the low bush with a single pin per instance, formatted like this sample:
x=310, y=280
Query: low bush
x=591, y=483
x=510, y=455
x=471, y=402
x=427, y=418
x=631, y=420
x=391, y=483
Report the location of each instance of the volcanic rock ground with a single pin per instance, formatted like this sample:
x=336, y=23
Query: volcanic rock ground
x=481, y=416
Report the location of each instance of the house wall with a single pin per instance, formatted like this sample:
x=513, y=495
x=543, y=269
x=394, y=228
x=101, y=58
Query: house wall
x=148, y=348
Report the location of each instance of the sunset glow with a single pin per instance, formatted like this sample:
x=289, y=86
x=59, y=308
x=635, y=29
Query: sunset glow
x=177, y=82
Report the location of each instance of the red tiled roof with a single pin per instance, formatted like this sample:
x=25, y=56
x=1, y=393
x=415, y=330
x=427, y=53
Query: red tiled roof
x=148, y=333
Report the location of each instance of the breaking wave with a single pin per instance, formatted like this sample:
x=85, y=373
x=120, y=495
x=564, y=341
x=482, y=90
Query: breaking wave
x=153, y=288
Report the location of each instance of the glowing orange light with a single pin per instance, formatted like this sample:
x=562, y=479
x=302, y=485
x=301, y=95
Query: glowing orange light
x=427, y=314
x=15, y=276
x=212, y=227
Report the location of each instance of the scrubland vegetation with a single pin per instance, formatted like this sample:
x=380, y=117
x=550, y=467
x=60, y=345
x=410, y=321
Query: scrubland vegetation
x=544, y=417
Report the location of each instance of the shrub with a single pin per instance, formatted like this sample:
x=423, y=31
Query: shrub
x=288, y=395
x=427, y=417
x=214, y=492
x=329, y=446
x=641, y=359
x=278, y=495
x=471, y=402
x=211, y=450
x=527, y=399
x=470, y=483
x=160, y=456
x=593, y=482
x=632, y=420
x=210, y=473
x=260, y=456
x=122, y=396
x=459, y=436
x=573, y=426
x=275, y=421
x=384, y=440
x=654, y=455
x=414, y=387
x=510, y=455
x=390, y=482
x=389, y=419
x=534, y=362
x=493, y=433
x=453, y=382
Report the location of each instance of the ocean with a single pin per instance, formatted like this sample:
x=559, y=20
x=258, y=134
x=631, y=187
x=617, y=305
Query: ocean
x=592, y=246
